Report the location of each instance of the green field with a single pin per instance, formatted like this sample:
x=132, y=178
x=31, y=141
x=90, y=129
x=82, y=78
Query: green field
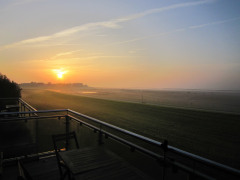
x=212, y=135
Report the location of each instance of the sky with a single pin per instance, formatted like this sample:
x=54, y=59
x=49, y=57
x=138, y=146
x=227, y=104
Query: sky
x=138, y=44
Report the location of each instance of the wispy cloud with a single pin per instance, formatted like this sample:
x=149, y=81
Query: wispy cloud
x=13, y=3
x=25, y=2
x=75, y=56
x=111, y=24
x=214, y=23
x=68, y=32
x=167, y=8
x=94, y=57
x=64, y=54
x=150, y=36
x=177, y=30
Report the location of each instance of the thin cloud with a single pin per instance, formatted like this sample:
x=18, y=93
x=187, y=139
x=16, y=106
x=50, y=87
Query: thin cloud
x=177, y=30
x=111, y=24
x=25, y=2
x=167, y=8
x=151, y=36
x=214, y=23
x=81, y=59
x=38, y=39
x=68, y=32
x=65, y=54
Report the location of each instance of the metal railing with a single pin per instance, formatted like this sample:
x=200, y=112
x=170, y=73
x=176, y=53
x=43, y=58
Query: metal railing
x=98, y=127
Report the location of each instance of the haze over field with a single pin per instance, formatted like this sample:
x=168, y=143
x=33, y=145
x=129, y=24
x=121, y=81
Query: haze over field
x=122, y=44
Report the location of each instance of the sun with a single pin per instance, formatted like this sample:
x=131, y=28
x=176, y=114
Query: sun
x=59, y=73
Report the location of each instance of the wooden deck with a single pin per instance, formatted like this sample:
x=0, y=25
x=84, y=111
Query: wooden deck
x=99, y=163
x=94, y=166
x=41, y=169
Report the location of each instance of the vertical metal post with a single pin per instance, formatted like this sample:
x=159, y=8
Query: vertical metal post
x=164, y=146
x=78, y=128
x=18, y=103
x=67, y=131
x=21, y=109
x=100, y=139
x=1, y=163
x=24, y=109
x=36, y=134
x=191, y=176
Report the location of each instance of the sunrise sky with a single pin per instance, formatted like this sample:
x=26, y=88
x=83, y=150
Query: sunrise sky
x=122, y=43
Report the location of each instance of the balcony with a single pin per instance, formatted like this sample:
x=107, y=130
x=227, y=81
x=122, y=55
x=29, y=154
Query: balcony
x=27, y=149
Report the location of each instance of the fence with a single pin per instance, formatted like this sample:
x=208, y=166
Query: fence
x=170, y=160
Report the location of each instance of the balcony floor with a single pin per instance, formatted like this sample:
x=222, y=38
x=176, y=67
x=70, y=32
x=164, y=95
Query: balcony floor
x=47, y=169
x=42, y=169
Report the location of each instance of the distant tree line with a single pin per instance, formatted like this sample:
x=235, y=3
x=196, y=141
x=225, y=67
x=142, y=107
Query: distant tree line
x=39, y=84
x=8, y=88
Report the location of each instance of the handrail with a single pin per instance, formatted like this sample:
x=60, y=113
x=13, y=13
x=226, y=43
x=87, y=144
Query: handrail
x=32, y=112
x=13, y=98
x=144, y=150
x=146, y=139
x=157, y=143
x=30, y=117
x=155, y=155
x=24, y=102
x=143, y=138
x=204, y=160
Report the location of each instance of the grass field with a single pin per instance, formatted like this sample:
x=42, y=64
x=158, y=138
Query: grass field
x=212, y=135
x=227, y=101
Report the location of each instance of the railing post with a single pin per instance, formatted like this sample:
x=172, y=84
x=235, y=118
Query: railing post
x=18, y=104
x=67, y=131
x=165, y=147
x=24, y=109
x=21, y=109
x=100, y=138
x=1, y=163
x=36, y=134
x=192, y=176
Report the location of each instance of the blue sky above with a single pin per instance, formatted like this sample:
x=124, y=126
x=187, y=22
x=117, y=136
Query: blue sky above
x=123, y=44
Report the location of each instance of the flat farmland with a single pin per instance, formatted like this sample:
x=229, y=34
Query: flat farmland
x=211, y=134
x=224, y=101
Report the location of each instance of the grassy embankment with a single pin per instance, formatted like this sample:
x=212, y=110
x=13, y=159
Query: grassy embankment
x=210, y=134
